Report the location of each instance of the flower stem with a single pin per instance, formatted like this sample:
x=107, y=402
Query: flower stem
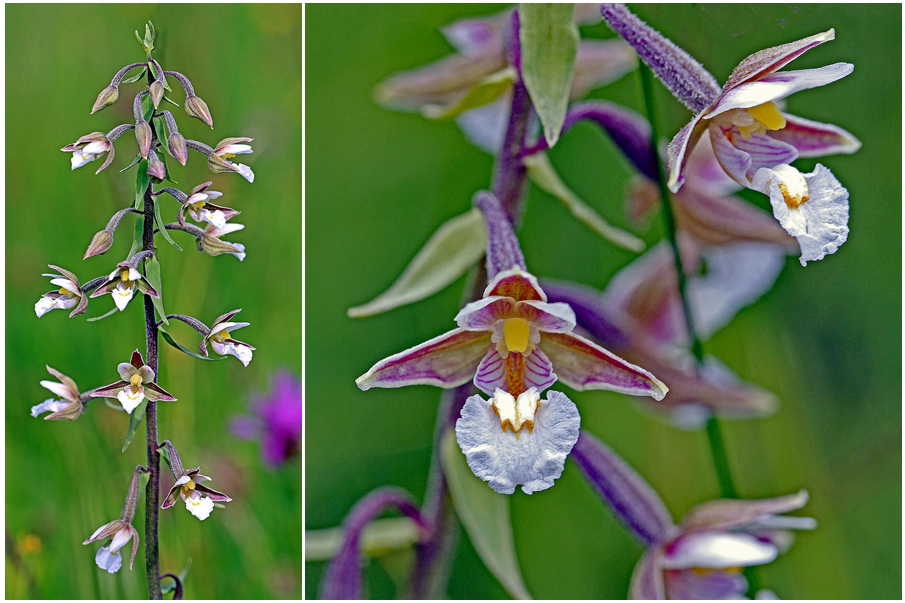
x=714, y=436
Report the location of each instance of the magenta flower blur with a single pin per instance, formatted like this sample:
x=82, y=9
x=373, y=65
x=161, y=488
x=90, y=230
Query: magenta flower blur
x=276, y=420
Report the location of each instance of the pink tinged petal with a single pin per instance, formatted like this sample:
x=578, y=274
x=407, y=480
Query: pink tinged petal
x=481, y=314
x=769, y=60
x=120, y=539
x=517, y=284
x=815, y=139
x=734, y=161
x=445, y=361
x=764, y=151
x=821, y=223
x=474, y=36
x=726, y=514
x=134, y=533
x=146, y=373
x=533, y=458
x=717, y=550
x=680, y=148
x=485, y=126
x=777, y=86
x=59, y=389
x=155, y=392
x=211, y=493
x=647, y=579
x=171, y=498
x=108, y=561
x=582, y=364
x=599, y=62
x=632, y=500
x=697, y=584
x=547, y=317
x=97, y=533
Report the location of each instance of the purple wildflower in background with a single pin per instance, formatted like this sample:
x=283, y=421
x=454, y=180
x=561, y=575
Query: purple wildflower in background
x=276, y=420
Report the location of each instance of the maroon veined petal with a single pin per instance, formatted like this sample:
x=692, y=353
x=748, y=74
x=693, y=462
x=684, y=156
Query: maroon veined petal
x=735, y=162
x=213, y=494
x=726, y=514
x=170, y=500
x=769, y=60
x=582, y=364
x=155, y=392
x=137, y=360
x=815, y=139
x=445, y=361
x=764, y=151
x=107, y=287
x=491, y=372
x=109, y=391
x=515, y=374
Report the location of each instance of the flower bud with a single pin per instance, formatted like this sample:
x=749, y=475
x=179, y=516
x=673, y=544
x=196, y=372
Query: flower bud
x=106, y=98
x=143, y=135
x=101, y=242
x=156, y=169
x=156, y=91
x=196, y=107
x=178, y=148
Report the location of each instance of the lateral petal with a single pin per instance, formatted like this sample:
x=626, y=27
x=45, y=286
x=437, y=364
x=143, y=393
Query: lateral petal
x=815, y=139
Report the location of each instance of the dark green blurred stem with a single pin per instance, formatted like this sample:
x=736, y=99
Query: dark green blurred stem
x=714, y=436
x=152, y=492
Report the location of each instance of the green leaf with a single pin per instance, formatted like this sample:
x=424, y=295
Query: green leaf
x=137, y=235
x=134, y=161
x=134, y=78
x=113, y=311
x=454, y=248
x=142, y=181
x=549, y=43
x=485, y=515
x=152, y=273
x=485, y=92
x=137, y=414
x=165, y=454
x=169, y=100
x=544, y=176
x=161, y=225
x=169, y=339
x=147, y=107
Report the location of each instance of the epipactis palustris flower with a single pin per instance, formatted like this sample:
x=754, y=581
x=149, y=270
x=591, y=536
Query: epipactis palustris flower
x=69, y=406
x=137, y=384
x=702, y=557
x=120, y=530
x=123, y=282
x=222, y=343
x=210, y=243
x=69, y=295
x=199, y=500
x=88, y=148
x=200, y=209
x=227, y=149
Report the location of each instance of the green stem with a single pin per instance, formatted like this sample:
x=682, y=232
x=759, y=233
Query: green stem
x=714, y=435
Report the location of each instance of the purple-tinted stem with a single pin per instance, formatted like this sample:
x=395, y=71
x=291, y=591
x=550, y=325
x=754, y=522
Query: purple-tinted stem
x=343, y=576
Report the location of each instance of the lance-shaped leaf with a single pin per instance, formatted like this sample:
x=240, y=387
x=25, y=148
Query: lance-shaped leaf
x=544, y=175
x=152, y=273
x=454, y=248
x=134, y=422
x=485, y=515
x=549, y=44
x=169, y=339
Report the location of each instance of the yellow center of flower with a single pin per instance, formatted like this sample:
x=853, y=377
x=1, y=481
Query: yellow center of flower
x=124, y=276
x=136, y=380
x=515, y=333
x=767, y=116
x=67, y=292
x=196, y=206
x=221, y=336
x=187, y=488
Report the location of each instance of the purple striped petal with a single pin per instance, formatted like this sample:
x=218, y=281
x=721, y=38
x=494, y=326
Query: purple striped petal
x=582, y=364
x=547, y=317
x=697, y=584
x=630, y=498
x=815, y=139
x=481, y=314
x=764, y=150
x=533, y=458
x=680, y=148
x=515, y=373
x=769, y=60
x=445, y=361
x=735, y=162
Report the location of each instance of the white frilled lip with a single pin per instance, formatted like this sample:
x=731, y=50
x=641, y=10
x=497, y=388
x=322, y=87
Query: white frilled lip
x=717, y=550
x=482, y=314
x=533, y=459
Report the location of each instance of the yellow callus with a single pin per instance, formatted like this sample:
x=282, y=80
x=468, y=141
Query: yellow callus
x=516, y=332
x=769, y=115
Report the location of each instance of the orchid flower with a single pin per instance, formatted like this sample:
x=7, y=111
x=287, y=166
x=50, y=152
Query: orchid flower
x=752, y=138
x=227, y=149
x=199, y=500
x=123, y=282
x=209, y=242
x=70, y=406
x=121, y=530
x=88, y=148
x=137, y=384
x=222, y=343
x=702, y=556
x=69, y=295
x=198, y=205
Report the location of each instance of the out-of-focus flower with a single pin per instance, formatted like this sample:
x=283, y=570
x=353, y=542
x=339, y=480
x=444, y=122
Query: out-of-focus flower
x=702, y=556
x=227, y=149
x=137, y=384
x=121, y=530
x=88, y=148
x=222, y=343
x=122, y=284
x=276, y=420
x=200, y=209
x=70, y=406
x=199, y=500
x=69, y=295
x=209, y=242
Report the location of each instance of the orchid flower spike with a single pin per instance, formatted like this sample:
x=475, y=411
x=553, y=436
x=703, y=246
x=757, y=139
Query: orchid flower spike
x=752, y=138
x=136, y=384
x=702, y=557
x=199, y=500
x=70, y=406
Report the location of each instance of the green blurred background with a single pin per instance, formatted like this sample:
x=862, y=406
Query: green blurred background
x=63, y=480
x=826, y=339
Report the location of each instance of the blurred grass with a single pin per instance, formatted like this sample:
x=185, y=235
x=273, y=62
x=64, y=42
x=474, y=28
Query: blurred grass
x=63, y=480
x=826, y=339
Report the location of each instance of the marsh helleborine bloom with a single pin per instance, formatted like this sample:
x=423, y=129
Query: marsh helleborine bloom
x=702, y=556
x=70, y=405
x=221, y=341
x=209, y=242
x=137, y=384
x=123, y=282
x=88, y=148
x=201, y=210
x=121, y=530
x=69, y=295
x=199, y=500
x=227, y=149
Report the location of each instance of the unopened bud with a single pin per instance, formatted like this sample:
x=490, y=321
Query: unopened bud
x=156, y=91
x=178, y=148
x=143, y=135
x=106, y=98
x=101, y=242
x=156, y=169
x=196, y=107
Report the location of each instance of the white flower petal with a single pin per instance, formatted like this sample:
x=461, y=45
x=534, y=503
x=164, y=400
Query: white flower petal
x=235, y=149
x=245, y=172
x=59, y=389
x=49, y=405
x=107, y=560
x=120, y=539
x=239, y=254
x=718, y=550
x=130, y=400
x=122, y=296
x=532, y=458
x=80, y=158
x=199, y=506
x=216, y=217
x=45, y=305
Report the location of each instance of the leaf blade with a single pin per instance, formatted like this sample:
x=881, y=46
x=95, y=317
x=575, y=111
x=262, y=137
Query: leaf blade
x=134, y=421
